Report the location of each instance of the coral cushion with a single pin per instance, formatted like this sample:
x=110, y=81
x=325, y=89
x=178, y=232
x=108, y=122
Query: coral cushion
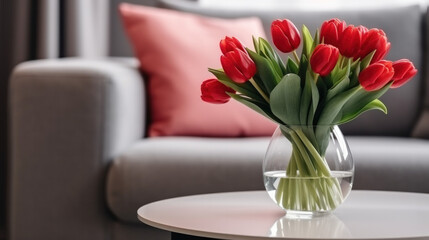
x=175, y=49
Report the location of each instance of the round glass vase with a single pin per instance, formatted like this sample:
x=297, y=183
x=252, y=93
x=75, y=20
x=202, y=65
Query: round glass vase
x=308, y=170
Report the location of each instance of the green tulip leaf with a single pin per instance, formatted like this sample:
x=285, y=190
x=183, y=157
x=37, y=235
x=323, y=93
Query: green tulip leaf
x=275, y=56
x=307, y=41
x=334, y=106
x=341, y=73
x=303, y=66
x=374, y=105
x=361, y=99
x=367, y=60
x=354, y=65
x=315, y=97
x=340, y=86
x=266, y=72
x=306, y=97
x=256, y=45
x=285, y=99
x=322, y=89
x=291, y=66
x=316, y=40
x=354, y=78
x=258, y=107
x=268, y=52
x=243, y=88
x=331, y=114
x=310, y=117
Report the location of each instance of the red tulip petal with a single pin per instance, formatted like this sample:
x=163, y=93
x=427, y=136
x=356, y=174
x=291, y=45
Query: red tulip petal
x=404, y=71
x=231, y=70
x=369, y=76
x=213, y=91
x=279, y=39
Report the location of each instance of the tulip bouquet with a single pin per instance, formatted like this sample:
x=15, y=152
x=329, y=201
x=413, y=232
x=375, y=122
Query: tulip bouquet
x=340, y=74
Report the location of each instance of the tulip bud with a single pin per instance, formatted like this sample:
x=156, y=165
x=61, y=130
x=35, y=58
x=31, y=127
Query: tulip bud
x=285, y=35
x=404, y=71
x=324, y=59
x=238, y=66
x=350, y=41
x=375, y=39
x=331, y=30
x=228, y=44
x=376, y=75
x=213, y=91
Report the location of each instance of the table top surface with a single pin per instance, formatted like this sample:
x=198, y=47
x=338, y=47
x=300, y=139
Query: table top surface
x=253, y=215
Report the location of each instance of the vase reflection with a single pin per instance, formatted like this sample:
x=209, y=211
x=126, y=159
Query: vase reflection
x=327, y=226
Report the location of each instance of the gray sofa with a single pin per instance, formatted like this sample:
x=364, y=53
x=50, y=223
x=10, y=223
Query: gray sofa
x=81, y=164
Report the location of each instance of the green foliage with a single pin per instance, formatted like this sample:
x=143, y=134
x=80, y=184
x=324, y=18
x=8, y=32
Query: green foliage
x=243, y=88
x=267, y=51
x=306, y=101
x=306, y=106
x=260, y=107
x=291, y=66
x=285, y=99
x=374, y=105
x=307, y=42
x=367, y=60
x=361, y=102
x=297, y=98
x=266, y=71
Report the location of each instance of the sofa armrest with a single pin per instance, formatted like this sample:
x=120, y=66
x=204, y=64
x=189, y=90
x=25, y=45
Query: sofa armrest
x=68, y=119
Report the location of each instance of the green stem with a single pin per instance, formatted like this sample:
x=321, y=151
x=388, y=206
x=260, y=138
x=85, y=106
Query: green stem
x=252, y=81
x=343, y=61
x=308, y=184
x=304, y=154
x=296, y=57
x=292, y=167
x=316, y=76
x=319, y=161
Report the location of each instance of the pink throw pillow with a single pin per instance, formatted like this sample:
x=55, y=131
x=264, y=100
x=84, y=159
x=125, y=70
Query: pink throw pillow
x=175, y=49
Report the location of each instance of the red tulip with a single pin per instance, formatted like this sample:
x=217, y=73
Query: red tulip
x=375, y=39
x=228, y=44
x=404, y=71
x=350, y=41
x=285, y=35
x=376, y=75
x=324, y=59
x=213, y=91
x=238, y=65
x=363, y=30
x=331, y=30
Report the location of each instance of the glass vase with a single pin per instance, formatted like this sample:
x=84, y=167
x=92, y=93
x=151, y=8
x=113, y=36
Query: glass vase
x=308, y=170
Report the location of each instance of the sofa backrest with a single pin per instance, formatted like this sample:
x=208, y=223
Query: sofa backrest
x=405, y=30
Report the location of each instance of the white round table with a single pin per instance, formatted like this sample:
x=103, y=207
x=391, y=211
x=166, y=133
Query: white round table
x=253, y=215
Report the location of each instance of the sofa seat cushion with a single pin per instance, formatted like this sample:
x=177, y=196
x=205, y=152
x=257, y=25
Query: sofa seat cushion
x=391, y=164
x=165, y=167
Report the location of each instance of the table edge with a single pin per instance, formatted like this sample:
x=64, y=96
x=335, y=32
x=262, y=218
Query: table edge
x=215, y=235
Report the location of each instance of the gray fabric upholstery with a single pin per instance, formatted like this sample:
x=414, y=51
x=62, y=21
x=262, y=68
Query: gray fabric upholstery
x=68, y=119
x=178, y=166
x=389, y=163
x=395, y=21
